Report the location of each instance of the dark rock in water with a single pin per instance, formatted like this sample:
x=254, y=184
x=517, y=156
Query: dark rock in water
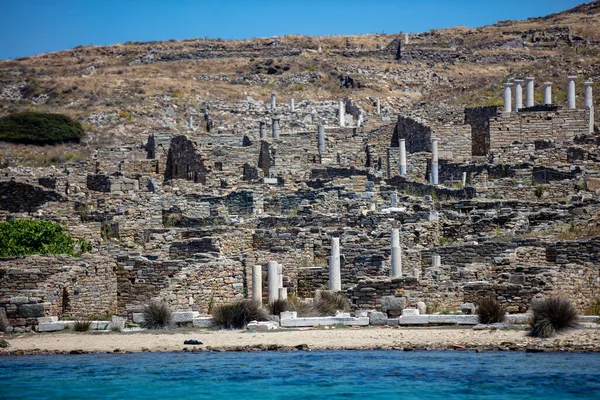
x=76, y=352
x=303, y=347
x=192, y=342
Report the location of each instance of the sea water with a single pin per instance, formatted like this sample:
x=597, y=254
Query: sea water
x=303, y=375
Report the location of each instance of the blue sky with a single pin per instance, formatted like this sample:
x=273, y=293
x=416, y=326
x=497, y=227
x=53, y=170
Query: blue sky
x=38, y=26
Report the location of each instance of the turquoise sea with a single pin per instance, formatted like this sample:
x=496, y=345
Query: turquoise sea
x=303, y=375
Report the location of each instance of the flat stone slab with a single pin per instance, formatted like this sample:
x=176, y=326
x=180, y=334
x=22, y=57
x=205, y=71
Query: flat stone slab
x=51, y=327
x=410, y=311
x=413, y=320
x=184, y=316
x=47, y=320
x=262, y=326
x=202, y=322
x=322, y=321
x=521, y=319
x=454, y=319
x=137, y=317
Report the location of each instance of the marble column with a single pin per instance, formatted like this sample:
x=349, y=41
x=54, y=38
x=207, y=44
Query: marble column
x=396, y=270
x=588, y=102
x=402, y=144
x=292, y=105
x=508, y=97
x=547, y=93
x=434, y=162
x=273, y=281
x=378, y=106
x=464, y=179
x=275, y=128
x=518, y=85
x=272, y=101
x=529, y=92
x=321, y=138
x=571, y=92
x=335, y=279
x=257, y=283
x=191, y=122
x=341, y=115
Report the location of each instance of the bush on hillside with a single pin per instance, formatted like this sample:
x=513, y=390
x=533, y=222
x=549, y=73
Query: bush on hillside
x=490, y=311
x=39, y=128
x=550, y=316
x=237, y=315
x=21, y=237
x=157, y=315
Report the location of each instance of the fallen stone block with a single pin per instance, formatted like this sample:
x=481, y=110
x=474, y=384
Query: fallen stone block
x=378, y=318
x=410, y=311
x=202, y=322
x=185, y=316
x=413, y=320
x=100, y=325
x=51, y=327
x=454, y=319
x=117, y=323
x=521, y=319
x=262, y=326
x=138, y=318
x=47, y=320
x=288, y=315
x=322, y=321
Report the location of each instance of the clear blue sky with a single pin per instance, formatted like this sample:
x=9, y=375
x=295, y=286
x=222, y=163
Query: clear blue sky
x=37, y=26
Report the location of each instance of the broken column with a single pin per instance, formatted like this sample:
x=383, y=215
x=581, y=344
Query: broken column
x=335, y=279
x=406, y=38
x=589, y=103
x=262, y=129
x=321, y=138
x=378, y=106
x=341, y=115
x=396, y=271
x=393, y=200
x=571, y=92
x=402, y=144
x=292, y=105
x=273, y=281
x=275, y=127
x=257, y=283
x=464, y=179
x=529, y=92
x=434, y=162
x=518, y=85
x=272, y=101
x=508, y=97
x=436, y=260
x=191, y=122
x=547, y=93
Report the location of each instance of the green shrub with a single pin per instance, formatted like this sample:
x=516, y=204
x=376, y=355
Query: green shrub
x=39, y=128
x=237, y=315
x=551, y=316
x=21, y=237
x=157, y=315
x=539, y=191
x=329, y=302
x=281, y=305
x=82, y=326
x=490, y=311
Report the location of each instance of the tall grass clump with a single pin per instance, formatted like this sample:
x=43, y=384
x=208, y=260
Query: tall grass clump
x=237, y=315
x=281, y=305
x=157, y=315
x=328, y=302
x=82, y=326
x=490, y=311
x=551, y=316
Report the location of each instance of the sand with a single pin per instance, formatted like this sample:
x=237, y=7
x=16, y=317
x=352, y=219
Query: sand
x=285, y=339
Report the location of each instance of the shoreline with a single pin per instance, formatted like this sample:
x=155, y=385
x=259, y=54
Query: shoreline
x=350, y=339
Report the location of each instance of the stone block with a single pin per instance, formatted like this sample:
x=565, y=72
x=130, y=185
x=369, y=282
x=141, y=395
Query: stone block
x=378, y=318
x=413, y=320
x=184, y=316
x=262, y=326
x=288, y=315
x=19, y=300
x=322, y=321
x=51, y=327
x=454, y=319
x=117, y=323
x=31, y=310
x=393, y=321
x=392, y=303
x=422, y=307
x=362, y=313
x=519, y=319
x=410, y=311
x=138, y=318
x=47, y=320
x=468, y=308
x=202, y=322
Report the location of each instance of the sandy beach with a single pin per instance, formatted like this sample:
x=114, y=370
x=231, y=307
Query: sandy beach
x=313, y=339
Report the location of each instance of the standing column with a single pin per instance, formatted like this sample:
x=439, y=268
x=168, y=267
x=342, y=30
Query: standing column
x=191, y=122
x=402, y=144
x=588, y=102
x=335, y=279
x=518, y=85
x=406, y=38
x=280, y=275
x=272, y=101
x=275, y=127
x=547, y=93
x=262, y=129
x=321, y=138
x=273, y=281
x=508, y=97
x=378, y=106
x=436, y=260
x=571, y=92
x=257, y=283
x=434, y=162
x=529, y=92
x=464, y=179
x=396, y=271
x=341, y=115
x=292, y=105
